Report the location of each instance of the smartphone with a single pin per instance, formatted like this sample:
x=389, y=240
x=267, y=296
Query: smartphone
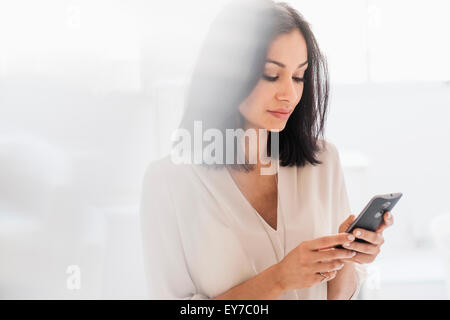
x=371, y=216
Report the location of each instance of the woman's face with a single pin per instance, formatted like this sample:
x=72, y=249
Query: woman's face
x=279, y=90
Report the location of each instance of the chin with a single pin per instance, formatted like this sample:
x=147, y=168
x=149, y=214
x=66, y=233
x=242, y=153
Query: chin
x=276, y=127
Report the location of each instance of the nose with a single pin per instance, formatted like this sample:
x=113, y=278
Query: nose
x=288, y=91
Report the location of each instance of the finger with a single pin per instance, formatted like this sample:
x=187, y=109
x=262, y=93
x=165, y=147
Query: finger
x=328, y=266
x=330, y=241
x=329, y=275
x=347, y=223
x=362, y=258
x=332, y=254
x=319, y=278
x=364, y=248
x=369, y=236
x=325, y=276
x=349, y=220
x=388, y=220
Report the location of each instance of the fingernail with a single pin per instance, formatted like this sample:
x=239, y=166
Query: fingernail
x=358, y=233
x=351, y=237
x=388, y=214
x=353, y=253
x=346, y=244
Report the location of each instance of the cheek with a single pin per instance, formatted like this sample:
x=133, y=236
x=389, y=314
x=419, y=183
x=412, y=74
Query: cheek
x=259, y=100
x=262, y=98
x=265, y=95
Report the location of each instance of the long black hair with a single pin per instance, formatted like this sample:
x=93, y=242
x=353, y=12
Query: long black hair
x=231, y=62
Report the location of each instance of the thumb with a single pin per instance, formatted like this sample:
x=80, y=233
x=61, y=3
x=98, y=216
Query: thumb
x=348, y=221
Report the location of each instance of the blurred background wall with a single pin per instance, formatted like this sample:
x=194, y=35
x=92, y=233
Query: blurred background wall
x=90, y=92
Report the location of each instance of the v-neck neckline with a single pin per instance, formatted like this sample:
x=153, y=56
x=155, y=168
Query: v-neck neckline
x=238, y=191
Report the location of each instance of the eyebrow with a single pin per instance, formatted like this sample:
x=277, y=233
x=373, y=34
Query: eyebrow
x=284, y=66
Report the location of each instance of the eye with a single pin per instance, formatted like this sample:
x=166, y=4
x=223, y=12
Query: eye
x=270, y=78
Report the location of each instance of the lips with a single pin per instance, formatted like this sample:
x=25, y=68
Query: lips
x=281, y=113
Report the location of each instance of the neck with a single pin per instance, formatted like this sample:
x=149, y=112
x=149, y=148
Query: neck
x=261, y=146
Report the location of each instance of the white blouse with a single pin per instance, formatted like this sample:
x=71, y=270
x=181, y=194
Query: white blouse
x=201, y=236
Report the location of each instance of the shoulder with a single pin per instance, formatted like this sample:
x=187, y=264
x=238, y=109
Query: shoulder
x=328, y=154
x=156, y=175
x=156, y=167
x=162, y=181
x=164, y=168
x=329, y=170
x=166, y=174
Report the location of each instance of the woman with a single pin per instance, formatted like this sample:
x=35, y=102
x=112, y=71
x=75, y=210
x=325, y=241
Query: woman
x=227, y=230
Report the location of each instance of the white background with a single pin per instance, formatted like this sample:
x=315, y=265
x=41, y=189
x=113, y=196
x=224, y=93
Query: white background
x=90, y=92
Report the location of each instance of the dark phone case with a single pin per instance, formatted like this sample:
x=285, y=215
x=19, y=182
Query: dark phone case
x=372, y=215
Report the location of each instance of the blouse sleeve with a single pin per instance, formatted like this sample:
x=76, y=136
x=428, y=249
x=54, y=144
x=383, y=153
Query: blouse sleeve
x=343, y=211
x=165, y=265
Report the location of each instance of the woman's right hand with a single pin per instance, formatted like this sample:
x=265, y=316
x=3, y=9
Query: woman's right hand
x=300, y=268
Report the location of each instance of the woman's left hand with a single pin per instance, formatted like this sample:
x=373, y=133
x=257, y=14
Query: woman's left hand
x=367, y=252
